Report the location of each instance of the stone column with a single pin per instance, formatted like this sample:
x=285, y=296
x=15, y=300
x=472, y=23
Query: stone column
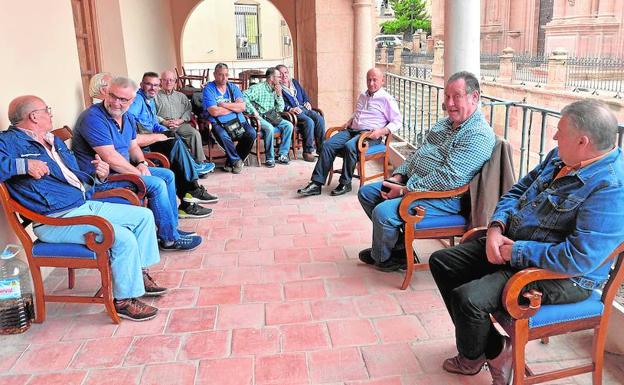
x=437, y=68
x=557, y=69
x=383, y=58
x=363, y=54
x=462, y=32
x=505, y=71
x=398, y=60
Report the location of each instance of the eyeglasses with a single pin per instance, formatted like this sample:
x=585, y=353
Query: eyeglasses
x=47, y=109
x=117, y=98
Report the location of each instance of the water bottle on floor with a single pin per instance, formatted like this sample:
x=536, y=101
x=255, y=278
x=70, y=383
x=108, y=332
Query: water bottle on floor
x=16, y=299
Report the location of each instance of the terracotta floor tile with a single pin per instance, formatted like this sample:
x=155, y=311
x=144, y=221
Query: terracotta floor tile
x=420, y=301
x=90, y=326
x=183, y=261
x=152, y=349
x=336, y=366
x=114, y=376
x=285, y=313
x=220, y=259
x=153, y=326
x=202, y=277
x=248, y=244
x=169, y=279
x=192, y=320
x=400, y=328
x=318, y=270
x=281, y=369
x=242, y=275
x=294, y=255
x=9, y=353
x=102, y=353
x=346, y=287
x=262, y=292
x=308, y=336
x=280, y=273
x=240, y=316
x=177, y=298
x=169, y=374
x=65, y=378
x=352, y=332
x=333, y=309
x=277, y=242
x=216, y=295
x=227, y=371
x=255, y=341
x=381, y=381
x=390, y=359
x=19, y=379
x=46, y=357
x=202, y=345
x=299, y=290
x=377, y=305
x=323, y=253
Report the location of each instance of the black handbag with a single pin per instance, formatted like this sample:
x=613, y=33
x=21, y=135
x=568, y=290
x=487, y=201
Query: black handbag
x=273, y=117
x=233, y=127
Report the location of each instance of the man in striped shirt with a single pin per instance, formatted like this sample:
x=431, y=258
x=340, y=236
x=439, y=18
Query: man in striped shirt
x=454, y=150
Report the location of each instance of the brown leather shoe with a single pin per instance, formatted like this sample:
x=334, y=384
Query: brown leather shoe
x=308, y=157
x=151, y=288
x=500, y=366
x=135, y=310
x=462, y=365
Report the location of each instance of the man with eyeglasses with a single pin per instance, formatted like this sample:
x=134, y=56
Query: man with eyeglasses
x=153, y=136
x=42, y=174
x=453, y=151
x=173, y=110
x=107, y=130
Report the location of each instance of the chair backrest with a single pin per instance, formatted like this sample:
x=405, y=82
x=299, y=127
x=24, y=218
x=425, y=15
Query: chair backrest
x=616, y=275
x=496, y=177
x=64, y=133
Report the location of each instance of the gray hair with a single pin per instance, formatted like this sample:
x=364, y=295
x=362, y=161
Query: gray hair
x=280, y=66
x=97, y=82
x=220, y=66
x=472, y=83
x=124, y=82
x=20, y=107
x=594, y=118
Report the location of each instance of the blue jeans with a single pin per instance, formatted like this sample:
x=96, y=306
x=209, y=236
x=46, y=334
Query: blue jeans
x=134, y=248
x=161, y=199
x=343, y=143
x=242, y=148
x=387, y=224
x=313, y=130
x=285, y=128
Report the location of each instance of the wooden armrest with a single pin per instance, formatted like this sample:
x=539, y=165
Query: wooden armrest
x=141, y=189
x=515, y=285
x=474, y=233
x=416, y=195
x=124, y=193
x=157, y=157
x=333, y=130
x=108, y=235
x=254, y=121
x=320, y=112
x=363, y=143
x=290, y=116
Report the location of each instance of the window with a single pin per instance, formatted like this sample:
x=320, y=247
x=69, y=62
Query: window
x=247, y=31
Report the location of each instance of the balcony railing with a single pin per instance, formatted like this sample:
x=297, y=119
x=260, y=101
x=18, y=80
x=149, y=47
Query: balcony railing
x=527, y=127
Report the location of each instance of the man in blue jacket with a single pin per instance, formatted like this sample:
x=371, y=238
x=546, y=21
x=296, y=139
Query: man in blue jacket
x=42, y=174
x=296, y=101
x=565, y=216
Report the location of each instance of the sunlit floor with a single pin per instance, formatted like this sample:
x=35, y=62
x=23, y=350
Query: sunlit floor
x=275, y=295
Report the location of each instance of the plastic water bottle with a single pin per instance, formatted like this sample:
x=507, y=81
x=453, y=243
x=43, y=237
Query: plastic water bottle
x=16, y=299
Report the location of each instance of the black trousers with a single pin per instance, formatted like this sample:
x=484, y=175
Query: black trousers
x=472, y=287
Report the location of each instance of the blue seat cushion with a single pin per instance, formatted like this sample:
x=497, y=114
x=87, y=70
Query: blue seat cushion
x=68, y=250
x=441, y=222
x=553, y=314
x=376, y=149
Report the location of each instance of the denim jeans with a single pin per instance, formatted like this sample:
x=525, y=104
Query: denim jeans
x=472, y=287
x=134, y=248
x=182, y=164
x=242, y=148
x=161, y=199
x=343, y=143
x=313, y=130
x=387, y=224
x=285, y=128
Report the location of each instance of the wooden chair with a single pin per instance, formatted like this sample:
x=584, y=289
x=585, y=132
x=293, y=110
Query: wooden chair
x=93, y=255
x=277, y=136
x=366, y=153
x=524, y=323
x=297, y=139
x=419, y=226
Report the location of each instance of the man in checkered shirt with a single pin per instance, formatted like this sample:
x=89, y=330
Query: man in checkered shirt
x=454, y=150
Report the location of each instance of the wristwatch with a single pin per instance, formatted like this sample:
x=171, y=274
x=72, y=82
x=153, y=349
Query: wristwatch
x=144, y=163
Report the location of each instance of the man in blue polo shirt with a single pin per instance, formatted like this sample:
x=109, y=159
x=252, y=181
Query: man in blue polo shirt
x=107, y=130
x=224, y=104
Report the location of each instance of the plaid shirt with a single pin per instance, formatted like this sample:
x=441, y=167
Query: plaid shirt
x=449, y=158
x=261, y=95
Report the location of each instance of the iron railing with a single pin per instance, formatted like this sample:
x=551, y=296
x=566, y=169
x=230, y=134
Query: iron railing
x=416, y=58
x=528, y=128
x=416, y=71
x=529, y=69
x=593, y=74
x=490, y=66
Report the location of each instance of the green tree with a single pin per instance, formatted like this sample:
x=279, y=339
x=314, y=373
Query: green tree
x=409, y=15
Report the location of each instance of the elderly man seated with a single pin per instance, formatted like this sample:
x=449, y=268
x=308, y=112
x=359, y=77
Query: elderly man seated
x=296, y=101
x=564, y=216
x=98, y=86
x=153, y=136
x=376, y=112
x=454, y=150
x=34, y=164
x=173, y=110
x=107, y=130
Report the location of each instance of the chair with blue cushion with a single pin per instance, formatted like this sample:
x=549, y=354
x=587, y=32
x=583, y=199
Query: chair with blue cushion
x=366, y=152
x=528, y=320
x=93, y=255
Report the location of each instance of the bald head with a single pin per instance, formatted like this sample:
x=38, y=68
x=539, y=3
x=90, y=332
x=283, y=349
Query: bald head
x=374, y=80
x=168, y=80
x=20, y=107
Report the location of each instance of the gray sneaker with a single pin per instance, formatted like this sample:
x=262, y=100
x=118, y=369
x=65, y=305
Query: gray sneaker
x=283, y=159
x=193, y=210
x=237, y=167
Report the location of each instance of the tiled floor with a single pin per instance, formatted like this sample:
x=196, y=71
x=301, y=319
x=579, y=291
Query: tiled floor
x=275, y=295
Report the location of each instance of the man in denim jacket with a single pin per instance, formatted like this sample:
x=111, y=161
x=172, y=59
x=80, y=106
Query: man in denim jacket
x=565, y=216
x=42, y=174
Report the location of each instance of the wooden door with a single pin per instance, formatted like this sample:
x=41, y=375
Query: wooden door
x=87, y=42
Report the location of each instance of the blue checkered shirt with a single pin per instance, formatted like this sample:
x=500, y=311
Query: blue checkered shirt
x=449, y=158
